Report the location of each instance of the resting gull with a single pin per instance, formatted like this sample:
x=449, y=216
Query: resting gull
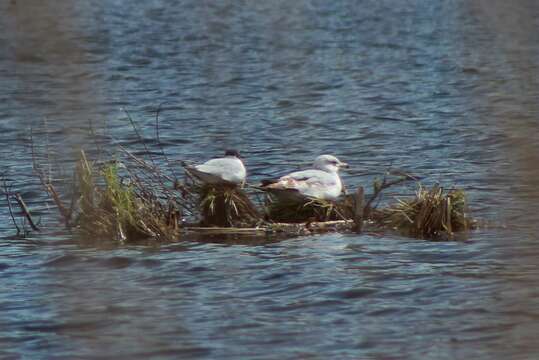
x=226, y=170
x=322, y=182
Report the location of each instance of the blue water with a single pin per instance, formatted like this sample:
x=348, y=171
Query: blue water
x=446, y=90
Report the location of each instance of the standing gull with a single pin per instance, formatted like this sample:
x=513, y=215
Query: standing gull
x=226, y=170
x=321, y=182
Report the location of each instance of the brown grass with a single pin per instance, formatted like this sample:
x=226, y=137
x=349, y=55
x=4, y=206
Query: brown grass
x=306, y=211
x=226, y=206
x=432, y=214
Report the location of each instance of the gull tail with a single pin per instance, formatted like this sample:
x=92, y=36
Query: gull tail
x=266, y=182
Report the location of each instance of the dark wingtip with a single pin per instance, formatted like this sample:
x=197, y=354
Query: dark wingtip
x=267, y=182
x=232, y=152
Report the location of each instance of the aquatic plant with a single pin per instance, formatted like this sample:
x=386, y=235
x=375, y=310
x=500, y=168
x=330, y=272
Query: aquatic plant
x=431, y=214
x=130, y=199
x=225, y=205
x=111, y=208
x=309, y=209
x=123, y=197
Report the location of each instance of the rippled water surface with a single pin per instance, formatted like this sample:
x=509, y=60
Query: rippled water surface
x=446, y=90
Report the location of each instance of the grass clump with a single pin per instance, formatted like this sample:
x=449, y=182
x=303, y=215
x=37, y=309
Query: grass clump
x=111, y=209
x=226, y=206
x=432, y=214
x=304, y=211
x=133, y=199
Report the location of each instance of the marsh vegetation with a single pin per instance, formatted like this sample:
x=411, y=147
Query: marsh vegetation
x=125, y=198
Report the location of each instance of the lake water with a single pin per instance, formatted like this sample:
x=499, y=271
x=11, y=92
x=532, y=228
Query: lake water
x=446, y=90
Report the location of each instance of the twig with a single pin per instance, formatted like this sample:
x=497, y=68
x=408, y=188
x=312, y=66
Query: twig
x=358, y=210
x=158, y=139
x=157, y=123
x=74, y=195
x=154, y=172
x=151, y=168
x=384, y=185
x=141, y=139
x=63, y=211
x=26, y=211
x=93, y=134
x=46, y=181
x=6, y=192
x=49, y=166
x=35, y=164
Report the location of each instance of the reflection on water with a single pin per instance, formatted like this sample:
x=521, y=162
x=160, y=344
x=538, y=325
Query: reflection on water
x=447, y=90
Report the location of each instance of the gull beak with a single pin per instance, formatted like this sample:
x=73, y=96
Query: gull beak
x=344, y=165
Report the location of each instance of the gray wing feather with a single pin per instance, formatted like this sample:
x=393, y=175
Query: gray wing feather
x=219, y=170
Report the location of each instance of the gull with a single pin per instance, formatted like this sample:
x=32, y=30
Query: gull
x=226, y=170
x=321, y=182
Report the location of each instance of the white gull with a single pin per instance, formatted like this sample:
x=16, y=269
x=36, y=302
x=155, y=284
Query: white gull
x=226, y=170
x=321, y=182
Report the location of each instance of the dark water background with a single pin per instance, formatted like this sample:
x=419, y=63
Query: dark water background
x=445, y=89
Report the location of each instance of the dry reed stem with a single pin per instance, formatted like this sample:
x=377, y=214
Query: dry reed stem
x=26, y=212
x=431, y=214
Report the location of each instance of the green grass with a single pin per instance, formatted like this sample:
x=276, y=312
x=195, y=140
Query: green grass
x=110, y=209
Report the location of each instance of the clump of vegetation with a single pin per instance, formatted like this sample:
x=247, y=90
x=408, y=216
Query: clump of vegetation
x=132, y=198
x=226, y=206
x=109, y=208
x=431, y=214
x=308, y=210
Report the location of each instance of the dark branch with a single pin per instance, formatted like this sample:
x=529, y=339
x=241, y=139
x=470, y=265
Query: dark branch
x=26, y=211
x=10, y=207
x=384, y=185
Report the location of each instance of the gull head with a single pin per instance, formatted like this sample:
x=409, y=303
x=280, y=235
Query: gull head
x=233, y=153
x=329, y=163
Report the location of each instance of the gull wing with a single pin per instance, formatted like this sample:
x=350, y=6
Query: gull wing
x=308, y=183
x=221, y=170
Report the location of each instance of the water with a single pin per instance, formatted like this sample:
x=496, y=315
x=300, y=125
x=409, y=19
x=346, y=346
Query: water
x=447, y=90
